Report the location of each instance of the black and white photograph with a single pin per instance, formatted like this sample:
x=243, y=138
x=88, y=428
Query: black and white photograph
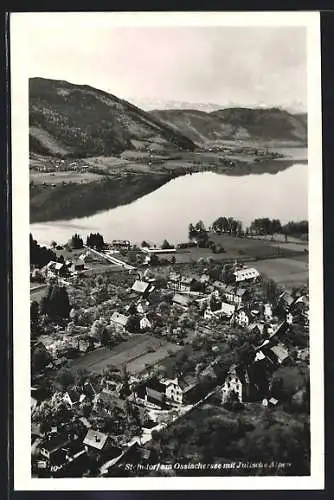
x=167, y=171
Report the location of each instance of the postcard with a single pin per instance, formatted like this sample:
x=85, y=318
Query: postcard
x=168, y=307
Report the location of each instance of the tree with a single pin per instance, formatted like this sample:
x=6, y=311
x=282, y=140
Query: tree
x=133, y=324
x=64, y=379
x=34, y=312
x=40, y=358
x=76, y=242
x=144, y=244
x=57, y=304
x=166, y=245
x=271, y=290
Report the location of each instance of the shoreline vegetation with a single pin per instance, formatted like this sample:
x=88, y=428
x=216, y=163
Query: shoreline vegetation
x=65, y=189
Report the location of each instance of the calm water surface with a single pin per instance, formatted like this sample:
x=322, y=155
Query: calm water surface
x=167, y=212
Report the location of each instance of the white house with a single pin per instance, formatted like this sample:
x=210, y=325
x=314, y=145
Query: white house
x=119, y=321
x=246, y=274
x=242, y=317
x=145, y=323
x=225, y=310
x=236, y=296
x=268, y=312
x=73, y=397
x=232, y=384
x=173, y=390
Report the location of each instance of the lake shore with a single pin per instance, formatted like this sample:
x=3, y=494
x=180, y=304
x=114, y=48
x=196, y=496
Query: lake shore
x=71, y=190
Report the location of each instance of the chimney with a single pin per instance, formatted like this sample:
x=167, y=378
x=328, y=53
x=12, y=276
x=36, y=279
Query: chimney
x=97, y=439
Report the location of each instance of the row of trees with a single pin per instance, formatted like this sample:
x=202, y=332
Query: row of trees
x=40, y=256
x=227, y=225
x=95, y=240
x=263, y=226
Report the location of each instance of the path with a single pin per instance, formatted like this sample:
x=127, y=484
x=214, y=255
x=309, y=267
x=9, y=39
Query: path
x=111, y=259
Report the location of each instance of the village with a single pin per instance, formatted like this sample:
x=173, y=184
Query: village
x=127, y=341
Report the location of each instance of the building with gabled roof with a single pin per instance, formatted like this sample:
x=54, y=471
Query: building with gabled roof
x=182, y=301
x=280, y=353
x=141, y=287
x=119, y=320
x=246, y=274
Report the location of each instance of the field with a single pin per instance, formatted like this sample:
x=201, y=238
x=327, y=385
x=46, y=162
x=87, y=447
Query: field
x=134, y=352
x=241, y=249
x=288, y=272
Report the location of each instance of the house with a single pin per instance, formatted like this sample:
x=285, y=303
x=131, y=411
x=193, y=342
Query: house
x=106, y=400
x=99, y=445
x=271, y=402
x=54, y=269
x=232, y=385
x=54, y=447
x=119, y=321
x=89, y=390
x=189, y=386
x=285, y=302
x=268, y=312
x=173, y=390
x=278, y=353
x=243, y=317
x=240, y=383
x=205, y=278
x=142, y=287
x=121, y=244
x=145, y=323
x=73, y=397
x=260, y=327
x=235, y=295
x=152, y=394
x=186, y=284
x=225, y=310
x=246, y=274
x=78, y=265
x=142, y=307
x=174, y=281
x=182, y=301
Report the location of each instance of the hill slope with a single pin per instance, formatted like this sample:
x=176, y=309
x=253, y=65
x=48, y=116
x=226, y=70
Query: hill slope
x=78, y=121
x=260, y=125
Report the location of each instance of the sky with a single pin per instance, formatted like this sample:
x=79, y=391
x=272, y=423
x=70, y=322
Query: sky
x=223, y=65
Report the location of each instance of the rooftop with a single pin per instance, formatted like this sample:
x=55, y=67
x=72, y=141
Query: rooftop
x=140, y=286
x=181, y=300
x=119, y=318
x=95, y=439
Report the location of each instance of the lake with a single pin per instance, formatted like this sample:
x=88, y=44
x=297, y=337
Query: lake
x=167, y=212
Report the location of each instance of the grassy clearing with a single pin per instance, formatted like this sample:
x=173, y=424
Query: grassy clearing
x=288, y=272
x=134, y=352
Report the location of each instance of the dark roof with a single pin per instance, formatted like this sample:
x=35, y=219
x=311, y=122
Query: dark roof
x=54, y=443
x=154, y=395
x=187, y=382
x=108, y=397
x=181, y=300
x=287, y=299
x=74, y=395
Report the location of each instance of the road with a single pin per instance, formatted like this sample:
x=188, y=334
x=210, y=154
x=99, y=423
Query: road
x=111, y=259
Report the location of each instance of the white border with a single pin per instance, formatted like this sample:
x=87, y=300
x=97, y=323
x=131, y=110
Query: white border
x=20, y=24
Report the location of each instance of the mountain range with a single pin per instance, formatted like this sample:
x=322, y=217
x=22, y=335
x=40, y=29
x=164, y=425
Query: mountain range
x=69, y=120
x=260, y=125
